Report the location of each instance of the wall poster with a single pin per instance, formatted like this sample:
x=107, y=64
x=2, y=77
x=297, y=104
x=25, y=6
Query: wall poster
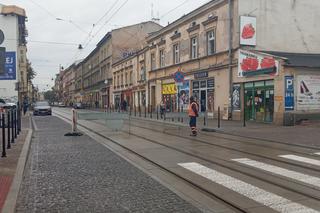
x=308, y=92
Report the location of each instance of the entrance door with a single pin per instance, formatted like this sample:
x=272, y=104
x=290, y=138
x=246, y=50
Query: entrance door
x=269, y=105
x=249, y=104
x=203, y=100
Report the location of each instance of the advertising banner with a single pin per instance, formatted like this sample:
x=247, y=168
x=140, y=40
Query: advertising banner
x=169, y=89
x=248, y=30
x=184, y=90
x=308, y=92
x=289, y=93
x=10, y=67
x=236, y=97
x=252, y=64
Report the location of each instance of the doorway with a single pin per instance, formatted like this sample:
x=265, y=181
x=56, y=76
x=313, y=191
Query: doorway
x=259, y=101
x=203, y=100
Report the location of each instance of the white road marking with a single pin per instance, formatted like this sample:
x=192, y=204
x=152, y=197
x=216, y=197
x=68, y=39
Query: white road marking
x=34, y=124
x=259, y=195
x=317, y=153
x=301, y=159
x=280, y=171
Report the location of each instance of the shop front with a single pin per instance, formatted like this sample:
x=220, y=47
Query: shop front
x=170, y=96
x=259, y=74
x=203, y=90
x=259, y=100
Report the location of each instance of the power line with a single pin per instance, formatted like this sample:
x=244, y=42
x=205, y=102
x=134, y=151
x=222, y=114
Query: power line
x=47, y=42
x=170, y=11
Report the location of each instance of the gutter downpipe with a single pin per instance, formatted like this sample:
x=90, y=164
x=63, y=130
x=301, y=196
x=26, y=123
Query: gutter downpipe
x=230, y=61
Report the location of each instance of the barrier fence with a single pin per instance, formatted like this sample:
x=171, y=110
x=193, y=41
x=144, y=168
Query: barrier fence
x=10, y=124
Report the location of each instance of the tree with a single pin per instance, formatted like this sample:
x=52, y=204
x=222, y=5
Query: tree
x=31, y=74
x=50, y=96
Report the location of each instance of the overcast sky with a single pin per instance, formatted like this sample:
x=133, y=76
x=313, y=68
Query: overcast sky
x=79, y=16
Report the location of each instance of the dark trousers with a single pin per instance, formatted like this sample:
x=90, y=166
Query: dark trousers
x=193, y=125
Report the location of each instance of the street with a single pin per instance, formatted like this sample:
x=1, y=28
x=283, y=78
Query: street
x=159, y=168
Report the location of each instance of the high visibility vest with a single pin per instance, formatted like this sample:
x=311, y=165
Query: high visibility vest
x=191, y=113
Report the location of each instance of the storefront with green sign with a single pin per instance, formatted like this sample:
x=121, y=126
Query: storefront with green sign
x=259, y=100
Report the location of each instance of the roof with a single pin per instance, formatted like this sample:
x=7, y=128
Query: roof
x=299, y=59
x=12, y=9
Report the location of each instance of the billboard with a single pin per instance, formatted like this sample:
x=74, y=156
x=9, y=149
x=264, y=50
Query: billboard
x=248, y=30
x=10, y=67
x=252, y=64
x=308, y=92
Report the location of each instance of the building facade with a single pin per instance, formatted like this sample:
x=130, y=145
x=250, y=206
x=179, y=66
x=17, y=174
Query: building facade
x=13, y=81
x=94, y=79
x=230, y=56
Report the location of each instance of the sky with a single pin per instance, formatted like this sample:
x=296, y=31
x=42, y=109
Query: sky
x=56, y=28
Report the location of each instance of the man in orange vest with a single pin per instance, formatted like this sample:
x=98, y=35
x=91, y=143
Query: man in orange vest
x=193, y=114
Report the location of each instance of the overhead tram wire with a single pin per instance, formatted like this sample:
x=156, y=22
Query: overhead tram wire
x=170, y=11
x=108, y=20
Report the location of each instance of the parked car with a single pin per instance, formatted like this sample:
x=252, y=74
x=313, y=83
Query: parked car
x=4, y=105
x=78, y=106
x=42, y=108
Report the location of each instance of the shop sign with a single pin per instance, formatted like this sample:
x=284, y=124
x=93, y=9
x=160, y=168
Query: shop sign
x=236, y=97
x=251, y=64
x=10, y=67
x=289, y=93
x=195, y=85
x=308, y=92
x=169, y=89
x=201, y=75
x=248, y=30
x=210, y=83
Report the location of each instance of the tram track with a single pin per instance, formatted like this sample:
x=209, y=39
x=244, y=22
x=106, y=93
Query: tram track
x=241, y=151
x=220, y=162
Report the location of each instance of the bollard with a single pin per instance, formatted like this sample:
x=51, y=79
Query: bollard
x=8, y=128
x=12, y=126
x=15, y=123
x=139, y=111
x=204, y=119
x=151, y=111
x=182, y=112
x=4, y=154
x=135, y=111
x=218, y=117
x=244, y=116
x=145, y=111
x=157, y=112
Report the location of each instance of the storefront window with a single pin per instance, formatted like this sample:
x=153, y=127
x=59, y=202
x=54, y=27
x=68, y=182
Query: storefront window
x=203, y=91
x=259, y=101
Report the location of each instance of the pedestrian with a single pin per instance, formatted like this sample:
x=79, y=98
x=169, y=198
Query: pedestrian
x=162, y=109
x=193, y=114
x=25, y=106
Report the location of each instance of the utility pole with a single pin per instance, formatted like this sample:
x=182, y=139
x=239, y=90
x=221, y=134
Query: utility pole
x=230, y=59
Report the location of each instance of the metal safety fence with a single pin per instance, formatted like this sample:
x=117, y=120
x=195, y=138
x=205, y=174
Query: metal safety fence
x=10, y=124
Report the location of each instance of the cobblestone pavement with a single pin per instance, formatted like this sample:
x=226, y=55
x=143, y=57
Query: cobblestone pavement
x=66, y=174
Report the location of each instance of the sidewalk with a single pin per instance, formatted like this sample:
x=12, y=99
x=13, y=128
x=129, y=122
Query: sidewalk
x=9, y=164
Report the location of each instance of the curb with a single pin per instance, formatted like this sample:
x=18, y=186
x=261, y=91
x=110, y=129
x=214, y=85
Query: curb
x=11, y=200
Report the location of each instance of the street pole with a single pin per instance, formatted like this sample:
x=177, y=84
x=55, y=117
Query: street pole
x=4, y=154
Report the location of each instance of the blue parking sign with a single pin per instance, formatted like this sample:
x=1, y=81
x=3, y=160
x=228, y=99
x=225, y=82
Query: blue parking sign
x=289, y=93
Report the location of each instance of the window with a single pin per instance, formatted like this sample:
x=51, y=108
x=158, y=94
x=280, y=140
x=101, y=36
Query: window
x=153, y=61
x=194, y=47
x=161, y=53
x=176, y=54
x=142, y=72
x=131, y=77
x=211, y=42
x=126, y=78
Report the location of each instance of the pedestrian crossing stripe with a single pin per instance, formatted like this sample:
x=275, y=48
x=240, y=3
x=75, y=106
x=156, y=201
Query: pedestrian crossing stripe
x=317, y=153
x=254, y=193
x=301, y=159
x=280, y=171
